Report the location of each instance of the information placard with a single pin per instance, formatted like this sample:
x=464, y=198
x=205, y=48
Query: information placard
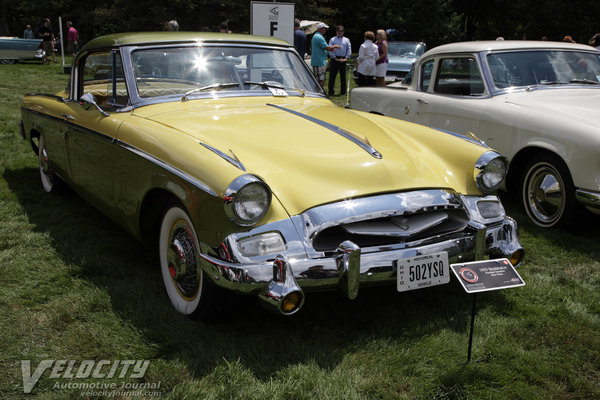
x=486, y=275
x=272, y=19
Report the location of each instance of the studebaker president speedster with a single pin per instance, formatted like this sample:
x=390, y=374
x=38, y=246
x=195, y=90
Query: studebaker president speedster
x=224, y=151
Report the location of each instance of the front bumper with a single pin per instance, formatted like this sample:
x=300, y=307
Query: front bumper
x=351, y=266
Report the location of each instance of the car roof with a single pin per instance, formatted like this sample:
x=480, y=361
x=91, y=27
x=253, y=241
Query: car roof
x=495, y=45
x=149, y=38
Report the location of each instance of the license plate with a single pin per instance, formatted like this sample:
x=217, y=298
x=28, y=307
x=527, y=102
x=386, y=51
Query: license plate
x=423, y=271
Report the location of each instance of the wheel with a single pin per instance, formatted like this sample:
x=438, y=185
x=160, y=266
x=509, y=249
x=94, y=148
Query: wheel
x=547, y=191
x=180, y=265
x=7, y=61
x=50, y=182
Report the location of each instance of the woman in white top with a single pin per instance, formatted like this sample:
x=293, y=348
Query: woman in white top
x=367, y=54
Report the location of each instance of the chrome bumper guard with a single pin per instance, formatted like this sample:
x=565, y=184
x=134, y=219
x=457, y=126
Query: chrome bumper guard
x=351, y=266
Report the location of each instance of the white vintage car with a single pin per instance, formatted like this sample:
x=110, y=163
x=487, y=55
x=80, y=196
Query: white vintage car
x=536, y=102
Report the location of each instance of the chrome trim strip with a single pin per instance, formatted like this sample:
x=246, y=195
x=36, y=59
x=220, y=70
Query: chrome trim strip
x=175, y=171
x=234, y=161
x=587, y=198
x=332, y=128
x=461, y=136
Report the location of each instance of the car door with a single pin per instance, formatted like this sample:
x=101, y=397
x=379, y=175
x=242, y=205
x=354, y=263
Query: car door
x=454, y=96
x=93, y=130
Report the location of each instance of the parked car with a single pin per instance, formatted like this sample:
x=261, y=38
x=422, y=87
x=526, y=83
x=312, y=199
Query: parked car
x=13, y=49
x=402, y=56
x=224, y=151
x=534, y=102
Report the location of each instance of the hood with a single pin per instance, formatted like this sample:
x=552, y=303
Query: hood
x=580, y=105
x=293, y=145
x=400, y=63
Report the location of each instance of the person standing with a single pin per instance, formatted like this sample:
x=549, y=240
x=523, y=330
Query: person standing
x=381, y=64
x=339, y=57
x=73, y=39
x=318, y=59
x=367, y=54
x=172, y=26
x=28, y=33
x=47, y=35
x=299, y=38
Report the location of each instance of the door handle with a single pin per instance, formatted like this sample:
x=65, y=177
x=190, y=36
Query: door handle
x=422, y=101
x=67, y=116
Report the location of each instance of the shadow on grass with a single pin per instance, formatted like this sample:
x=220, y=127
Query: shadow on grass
x=324, y=332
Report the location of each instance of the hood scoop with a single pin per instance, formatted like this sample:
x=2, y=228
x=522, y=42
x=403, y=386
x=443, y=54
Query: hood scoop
x=364, y=144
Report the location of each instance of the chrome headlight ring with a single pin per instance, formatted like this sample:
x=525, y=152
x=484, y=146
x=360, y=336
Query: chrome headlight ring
x=247, y=200
x=490, y=171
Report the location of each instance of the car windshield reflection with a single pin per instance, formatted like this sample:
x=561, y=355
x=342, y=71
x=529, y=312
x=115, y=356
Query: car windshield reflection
x=528, y=68
x=190, y=71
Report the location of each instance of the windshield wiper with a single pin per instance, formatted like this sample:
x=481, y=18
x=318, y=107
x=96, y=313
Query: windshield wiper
x=207, y=87
x=587, y=81
x=276, y=85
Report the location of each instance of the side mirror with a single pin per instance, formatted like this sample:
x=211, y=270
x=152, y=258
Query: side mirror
x=89, y=99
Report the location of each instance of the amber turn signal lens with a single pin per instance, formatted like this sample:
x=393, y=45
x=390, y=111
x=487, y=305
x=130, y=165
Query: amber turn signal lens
x=516, y=257
x=291, y=301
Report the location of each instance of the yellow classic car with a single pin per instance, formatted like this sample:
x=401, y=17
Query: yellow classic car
x=224, y=151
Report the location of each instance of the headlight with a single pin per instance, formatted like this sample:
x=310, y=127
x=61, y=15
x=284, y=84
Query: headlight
x=247, y=200
x=490, y=171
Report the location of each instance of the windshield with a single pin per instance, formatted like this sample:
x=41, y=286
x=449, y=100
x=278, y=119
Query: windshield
x=544, y=67
x=190, y=71
x=401, y=49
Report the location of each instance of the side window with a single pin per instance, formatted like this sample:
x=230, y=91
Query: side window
x=459, y=76
x=426, y=72
x=102, y=75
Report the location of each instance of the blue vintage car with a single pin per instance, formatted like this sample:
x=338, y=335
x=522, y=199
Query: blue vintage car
x=13, y=49
x=402, y=56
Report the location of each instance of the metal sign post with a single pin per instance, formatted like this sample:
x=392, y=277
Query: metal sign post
x=485, y=276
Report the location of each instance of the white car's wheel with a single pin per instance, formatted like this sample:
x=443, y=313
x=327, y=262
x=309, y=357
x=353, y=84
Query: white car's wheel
x=50, y=182
x=547, y=191
x=179, y=262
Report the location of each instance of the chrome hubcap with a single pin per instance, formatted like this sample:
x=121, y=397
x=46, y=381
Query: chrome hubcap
x=181, y=260
x=44, y=163
x=545, y=193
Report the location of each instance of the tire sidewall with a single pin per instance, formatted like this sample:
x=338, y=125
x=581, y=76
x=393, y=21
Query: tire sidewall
x=47, y=179
x=170, y=217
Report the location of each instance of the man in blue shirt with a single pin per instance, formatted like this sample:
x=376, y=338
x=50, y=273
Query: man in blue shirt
x=318, y=59
x=338, y=59
x=299, y=38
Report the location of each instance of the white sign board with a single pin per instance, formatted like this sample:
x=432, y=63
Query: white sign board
x=272, y=19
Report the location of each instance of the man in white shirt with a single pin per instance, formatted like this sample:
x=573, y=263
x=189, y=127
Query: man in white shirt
x=338, y=59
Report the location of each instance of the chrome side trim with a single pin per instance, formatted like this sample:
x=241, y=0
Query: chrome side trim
x=587, y=198
x=366, y=147
x=186, y=177
x=232, y=160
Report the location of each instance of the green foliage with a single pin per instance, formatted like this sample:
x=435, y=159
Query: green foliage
x=433, y=21
x=74, y=286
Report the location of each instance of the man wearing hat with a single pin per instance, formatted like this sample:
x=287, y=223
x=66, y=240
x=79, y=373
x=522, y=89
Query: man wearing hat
x=318, y=60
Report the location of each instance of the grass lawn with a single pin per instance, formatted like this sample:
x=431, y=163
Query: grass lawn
x=73, y=286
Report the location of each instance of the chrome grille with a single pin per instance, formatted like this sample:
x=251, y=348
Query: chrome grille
x=392, y=230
